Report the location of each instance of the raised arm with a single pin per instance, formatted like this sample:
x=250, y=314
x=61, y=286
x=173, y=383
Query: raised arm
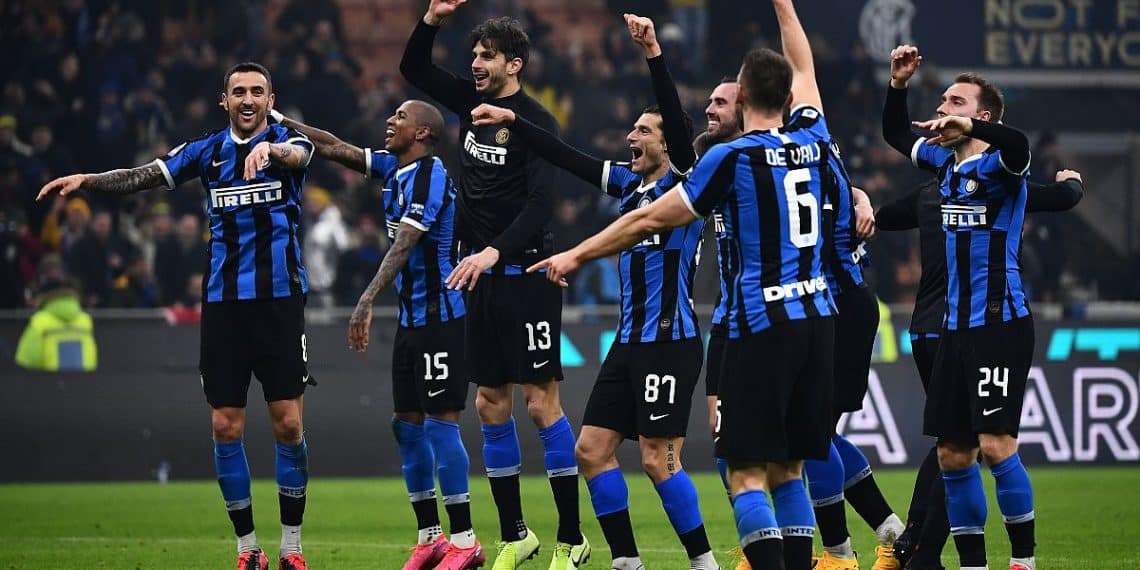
x=905, y=60
x=797, y=50
x=122, y=181
x=678, y=139
x=1012, y=143
x=543, y=142
x=416, y=66
x=407, y=236
x=1060, y=196
x=327, y=146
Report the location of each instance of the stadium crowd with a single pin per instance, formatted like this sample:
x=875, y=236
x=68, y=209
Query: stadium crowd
x=93, y=85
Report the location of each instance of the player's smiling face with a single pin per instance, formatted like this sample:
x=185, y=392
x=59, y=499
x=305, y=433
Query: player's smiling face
x=247, y=100
x=492, y=70
x=401, y=131
x=962, y=100
x=646, y=144
x=721, y=112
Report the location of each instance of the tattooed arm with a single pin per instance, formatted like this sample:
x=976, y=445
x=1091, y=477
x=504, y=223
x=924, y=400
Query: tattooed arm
x=406, y=238
x=122, y=181
x=329, y=147
x=287, y=155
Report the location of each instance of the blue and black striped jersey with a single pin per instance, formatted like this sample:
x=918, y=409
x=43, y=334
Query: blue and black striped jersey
x=656, y=274
x=769, y=188
x=420, y=194
x=254, y=249
x=843, y=251
x=983, y=208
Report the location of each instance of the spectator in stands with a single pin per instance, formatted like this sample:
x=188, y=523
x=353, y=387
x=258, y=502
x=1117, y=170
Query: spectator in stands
x=97, y=259
x=179, y=256
x=325, y=239
x=358, y=265
x=57, y=161
x=59, y=336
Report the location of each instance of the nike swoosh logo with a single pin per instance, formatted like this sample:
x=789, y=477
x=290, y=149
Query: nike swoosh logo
x=655, y=417
x=577, y=561
x=992, y=412
x=216, y=164
x=305, y=379
x=540, y=364
x=434, y=393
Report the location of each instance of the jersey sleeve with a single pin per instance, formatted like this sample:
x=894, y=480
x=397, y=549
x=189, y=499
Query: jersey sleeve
x=809, y=118
x=379, y=164
x=711, y=180
x=929, y=156
x=991, y=167
x=295, y=137
x=428, y=190
x=616, y=177
x=182, y=163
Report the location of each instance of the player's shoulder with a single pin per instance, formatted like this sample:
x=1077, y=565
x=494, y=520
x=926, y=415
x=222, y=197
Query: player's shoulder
x=535, y=112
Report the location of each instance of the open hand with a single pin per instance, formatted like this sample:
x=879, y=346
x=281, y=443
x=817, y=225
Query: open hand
x=440, y=9
x=358, y=325
x=1063, y=175
x=470, y=268
x=65, y=185
x=949, y=128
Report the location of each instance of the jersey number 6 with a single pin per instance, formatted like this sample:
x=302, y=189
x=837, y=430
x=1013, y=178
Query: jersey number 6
x=801, y=203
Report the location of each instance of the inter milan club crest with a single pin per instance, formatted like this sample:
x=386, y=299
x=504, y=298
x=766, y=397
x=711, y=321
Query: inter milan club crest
x=502, y=136
x=644, y=202
x=971, y=186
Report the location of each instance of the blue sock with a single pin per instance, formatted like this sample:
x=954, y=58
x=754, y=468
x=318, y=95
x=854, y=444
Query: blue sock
x=608, y=492
x=562, y=470
x=451, y=458
x=503, y=458
x=233, y=477
x=855, y=464
x=755, y=520
x=722, y=468
x=233, y=472
x=965, y=500
x=501, y=451
x=558, y=443
x=292, y=480
x=825, y=478
x=452, y=464
x=1015, y=500
x=1014, y=491
x=679, y=497
x=418, y=460
x=796, y=520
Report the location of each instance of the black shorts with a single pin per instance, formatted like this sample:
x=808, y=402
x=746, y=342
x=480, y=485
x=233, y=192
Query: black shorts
x=978, y=385
x=715, y=358
x=776, y=393
x=924, y=346
x=263, y=337
x=429, y=371
x=855, y=328
x=514, y=329
x=646, y=388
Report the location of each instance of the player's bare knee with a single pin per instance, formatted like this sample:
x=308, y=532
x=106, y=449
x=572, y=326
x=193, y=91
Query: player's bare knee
x=228, y=424
x=956, y=456
x=746, y=476
x=590, y=454
x=997, y=448
x=493, y=404
x=780, y=473
x=288, y=428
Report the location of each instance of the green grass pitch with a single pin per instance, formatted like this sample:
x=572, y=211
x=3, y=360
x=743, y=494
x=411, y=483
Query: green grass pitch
x=1087, y=518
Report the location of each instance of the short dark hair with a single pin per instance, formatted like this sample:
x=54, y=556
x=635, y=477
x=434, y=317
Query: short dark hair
x=990, y=98
x=685, y=119
x=504, y=35
x=427, y=115
x=247, y=66
x=766, y=79
x=727, y=79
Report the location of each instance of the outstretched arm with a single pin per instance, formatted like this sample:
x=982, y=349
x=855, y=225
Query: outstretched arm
x=416, y=66
x=678, y=141
x=797, y=50
x=328, y=146
x=122, y=181
x=285, y=155
x=1060, y=196
x=394, y=261
x=543, y=142
x=670, y=211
